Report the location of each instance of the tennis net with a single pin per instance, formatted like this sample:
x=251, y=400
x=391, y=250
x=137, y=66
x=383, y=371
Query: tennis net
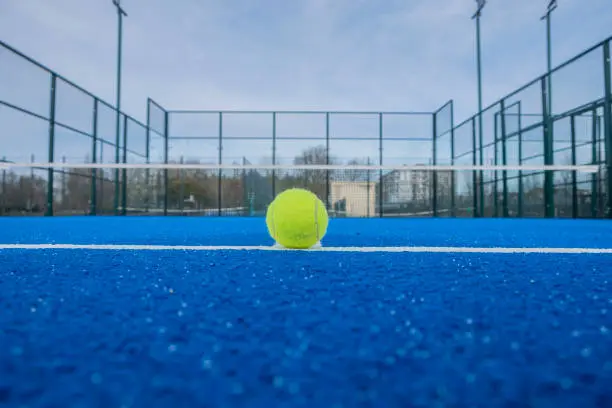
x=197, y=189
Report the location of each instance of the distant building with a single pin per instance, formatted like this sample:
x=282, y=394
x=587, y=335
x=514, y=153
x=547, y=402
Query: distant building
x=353, y=198
x=402, y=186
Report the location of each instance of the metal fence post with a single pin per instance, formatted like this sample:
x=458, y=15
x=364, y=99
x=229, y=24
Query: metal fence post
x=434, y=175
x=477, y=17
x=574, y=178
x=505, y=210
x=327, y=188
x=452, y=154
x=601, y=174
x=608, y=126
x=148, y=156
x=94, y=154
x=220, y=161
x=117, y=160
x=166, y=144
x=594, y=160
x=549, y=193
x=496, y=162
x=3, y=197
x=380, y=159
x=520, y=160
x=124, y=170
x=273, y=154
x=475, y=187
x=51, y=154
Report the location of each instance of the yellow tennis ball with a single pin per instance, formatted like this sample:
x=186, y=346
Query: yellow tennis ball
x=297, y=219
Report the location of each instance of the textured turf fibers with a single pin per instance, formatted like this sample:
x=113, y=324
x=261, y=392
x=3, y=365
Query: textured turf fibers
x=341, y=232
x=267, y=329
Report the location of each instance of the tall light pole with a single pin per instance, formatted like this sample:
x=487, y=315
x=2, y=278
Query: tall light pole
x=552, y=5
x=120, y=14
x=480, y=5
x=549, y=194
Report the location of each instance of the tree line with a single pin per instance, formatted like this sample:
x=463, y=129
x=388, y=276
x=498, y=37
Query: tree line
x=248, y=189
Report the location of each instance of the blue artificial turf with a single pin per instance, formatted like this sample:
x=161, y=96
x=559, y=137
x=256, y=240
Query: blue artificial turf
x=295, y=329
x=341, y=232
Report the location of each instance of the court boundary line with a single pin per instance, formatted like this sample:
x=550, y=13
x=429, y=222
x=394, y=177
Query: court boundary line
x=352, y=249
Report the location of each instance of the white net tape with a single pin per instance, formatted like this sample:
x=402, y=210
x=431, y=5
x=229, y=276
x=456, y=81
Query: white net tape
x=586, y=168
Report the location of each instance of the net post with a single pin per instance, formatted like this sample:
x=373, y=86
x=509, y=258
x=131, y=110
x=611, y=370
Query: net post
x=94, y=153
x=549, y=203
x=51, y=151
x=434, y=175
x=608, y=126
x=380, y=160
x=505, y=210
x=124, y=171
x=574, y=178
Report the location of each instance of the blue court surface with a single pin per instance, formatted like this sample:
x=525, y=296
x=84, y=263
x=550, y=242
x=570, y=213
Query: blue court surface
x=226, y=323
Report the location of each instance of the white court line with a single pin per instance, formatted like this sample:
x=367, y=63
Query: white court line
x=413, y=249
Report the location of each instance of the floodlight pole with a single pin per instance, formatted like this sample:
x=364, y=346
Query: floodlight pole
x=476, y=16
x=549, y=137
x=552, y=5
x=120, y=14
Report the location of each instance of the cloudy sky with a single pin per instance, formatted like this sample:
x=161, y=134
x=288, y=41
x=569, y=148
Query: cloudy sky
x=287, y=55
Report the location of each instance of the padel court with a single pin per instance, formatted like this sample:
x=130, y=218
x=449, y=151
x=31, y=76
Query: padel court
x=119, y=312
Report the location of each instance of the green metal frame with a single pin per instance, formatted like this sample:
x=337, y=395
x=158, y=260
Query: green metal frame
x=148, y=156
x=600, y=110
x=274, y=153
x=574, y=178
x=434, y=181
x=94, y=159
x=51, y=154
x=549, y=197
x=124, y=179
x=504, y=160
x=327, y=161
x=220, y=173
x=166, y=151
x=520, y=161
x=452, y=153
x=477, y=197
x=594, y=160
x=608, y=124
x=380, y=160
